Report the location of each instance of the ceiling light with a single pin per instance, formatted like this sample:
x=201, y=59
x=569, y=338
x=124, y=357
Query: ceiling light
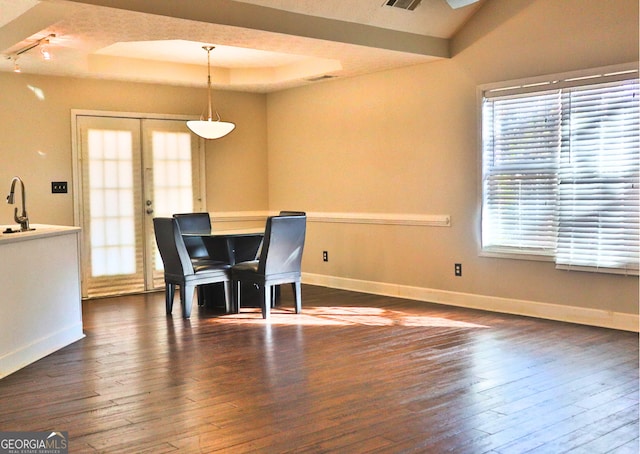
x=44, y=49
x=16, y=66
x=210, y=129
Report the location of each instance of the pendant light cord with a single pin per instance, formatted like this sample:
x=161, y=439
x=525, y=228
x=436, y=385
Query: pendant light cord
x=209, y=49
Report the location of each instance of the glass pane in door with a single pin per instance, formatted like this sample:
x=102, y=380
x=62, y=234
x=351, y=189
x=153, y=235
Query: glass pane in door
x=172, y=175
x=111, y=214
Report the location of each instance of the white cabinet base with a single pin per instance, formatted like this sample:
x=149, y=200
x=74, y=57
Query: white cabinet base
x=40, y=301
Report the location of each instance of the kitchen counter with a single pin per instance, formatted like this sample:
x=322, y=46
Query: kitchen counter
x=39, y=231
x=40, y=301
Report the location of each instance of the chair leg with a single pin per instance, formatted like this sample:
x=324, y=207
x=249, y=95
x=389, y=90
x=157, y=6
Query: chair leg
x=236, y=296
x=275, y=295
x=266, y=301
x=297, y=294
x=169, y=291
x=186, y=298
x=228, y=296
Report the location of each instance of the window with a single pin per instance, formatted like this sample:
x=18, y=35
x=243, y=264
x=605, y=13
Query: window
x=560, y=171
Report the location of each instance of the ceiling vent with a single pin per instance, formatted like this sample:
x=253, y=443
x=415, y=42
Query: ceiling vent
x=455, y=4
x=403, y=4
x=319, y=78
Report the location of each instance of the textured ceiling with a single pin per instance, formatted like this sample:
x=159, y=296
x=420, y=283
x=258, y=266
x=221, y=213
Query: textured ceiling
x=261, y=45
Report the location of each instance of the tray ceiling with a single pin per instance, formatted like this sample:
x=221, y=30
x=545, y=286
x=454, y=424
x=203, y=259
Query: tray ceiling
x=261, y=45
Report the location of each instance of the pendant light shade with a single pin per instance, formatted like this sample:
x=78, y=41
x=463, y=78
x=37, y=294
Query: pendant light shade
x=210, y=128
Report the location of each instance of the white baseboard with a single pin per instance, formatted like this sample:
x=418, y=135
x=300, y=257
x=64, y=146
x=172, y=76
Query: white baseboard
x=557, y=312
x=38, y=349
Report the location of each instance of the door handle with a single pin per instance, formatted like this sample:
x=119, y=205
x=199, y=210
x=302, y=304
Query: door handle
x=149, y=210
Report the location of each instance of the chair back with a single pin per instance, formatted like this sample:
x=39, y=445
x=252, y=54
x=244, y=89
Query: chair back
x=194, y=223
x=283, y=245
x=172, y=249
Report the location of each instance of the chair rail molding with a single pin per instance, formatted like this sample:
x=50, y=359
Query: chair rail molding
x=402, y=219
x=238, y=216
x=436, y=220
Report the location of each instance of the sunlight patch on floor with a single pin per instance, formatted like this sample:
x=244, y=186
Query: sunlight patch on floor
x=337, y=316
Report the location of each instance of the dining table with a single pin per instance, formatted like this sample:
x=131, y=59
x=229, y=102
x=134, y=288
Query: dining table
x=230, y=246
x=233, y=245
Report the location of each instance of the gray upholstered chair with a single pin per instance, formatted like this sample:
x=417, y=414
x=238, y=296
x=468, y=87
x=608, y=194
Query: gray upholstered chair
x=181, y=271
x=275, y=295
x=279, y=263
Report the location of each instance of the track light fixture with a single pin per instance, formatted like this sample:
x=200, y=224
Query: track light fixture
x=44, y=49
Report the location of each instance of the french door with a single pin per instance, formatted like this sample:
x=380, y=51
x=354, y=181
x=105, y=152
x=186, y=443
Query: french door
x=132, y=170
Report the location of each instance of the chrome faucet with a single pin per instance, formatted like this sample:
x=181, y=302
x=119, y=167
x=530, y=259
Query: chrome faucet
x=23, y=219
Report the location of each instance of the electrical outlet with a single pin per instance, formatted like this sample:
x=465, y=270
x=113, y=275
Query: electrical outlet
x=458, y=269
x=58, y=187
x=325, y=256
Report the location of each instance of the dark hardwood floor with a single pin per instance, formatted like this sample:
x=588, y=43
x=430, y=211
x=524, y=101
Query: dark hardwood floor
x=354, y=373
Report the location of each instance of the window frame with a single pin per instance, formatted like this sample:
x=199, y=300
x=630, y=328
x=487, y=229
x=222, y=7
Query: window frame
x=538, y=84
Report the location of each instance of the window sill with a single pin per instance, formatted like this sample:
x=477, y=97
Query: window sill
x=510, y=254
x=503, y=253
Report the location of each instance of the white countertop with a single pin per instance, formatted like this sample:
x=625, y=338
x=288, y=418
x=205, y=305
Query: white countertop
x=40, y=231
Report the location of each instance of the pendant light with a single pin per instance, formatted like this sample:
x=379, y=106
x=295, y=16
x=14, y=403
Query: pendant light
x=210, y=129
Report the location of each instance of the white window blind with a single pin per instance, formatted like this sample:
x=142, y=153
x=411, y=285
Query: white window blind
x=599, y=172
x=520, y=160
x=561, y=171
